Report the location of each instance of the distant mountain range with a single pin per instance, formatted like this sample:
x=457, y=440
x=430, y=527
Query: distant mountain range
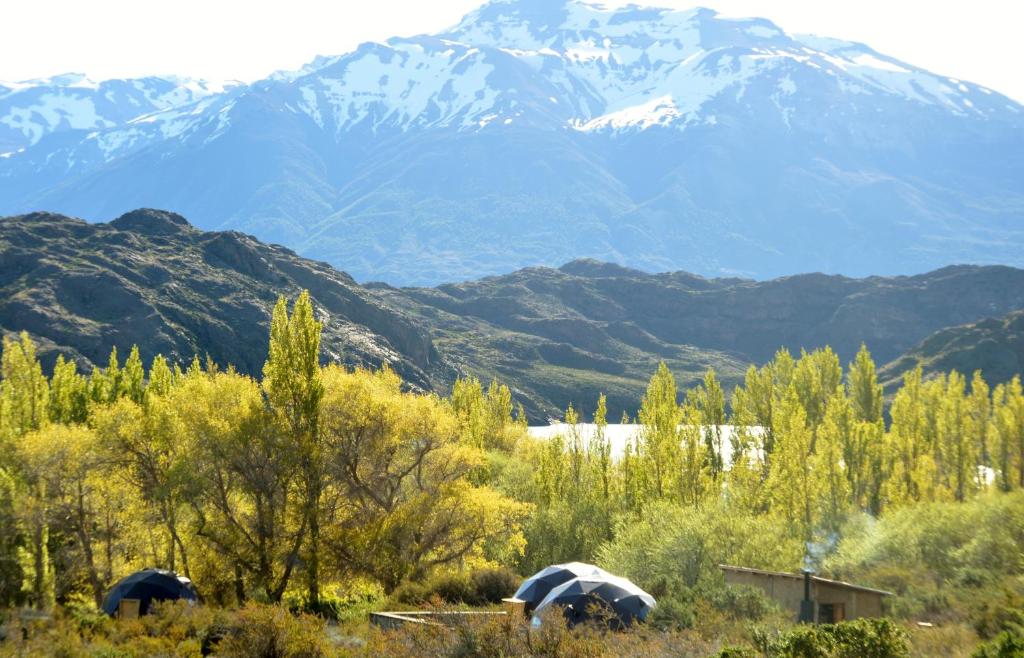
x=554, y=335
x=536, y=132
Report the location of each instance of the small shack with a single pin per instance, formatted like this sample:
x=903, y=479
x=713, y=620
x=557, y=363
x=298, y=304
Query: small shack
x=811, y=598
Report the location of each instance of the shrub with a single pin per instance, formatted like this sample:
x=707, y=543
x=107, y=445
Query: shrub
x=493, y=585
x=261, y=631
x=742, y=602
x=863, y=638
x=452, y=587
x=869, y=638
x=82, y=611
x=736, y=652
x=953, y=640
x=672, y=613
x=478, y=588
x=995, y=615
x=1005, y=645
x=350, y=600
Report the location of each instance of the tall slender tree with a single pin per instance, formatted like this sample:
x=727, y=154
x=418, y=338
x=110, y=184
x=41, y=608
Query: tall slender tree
x=292, y=381
x=865, y=391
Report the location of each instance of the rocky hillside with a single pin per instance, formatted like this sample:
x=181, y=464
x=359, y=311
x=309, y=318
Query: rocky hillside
x=993, y=345
x=554, y=335
x=570, y=333
x=151, y=279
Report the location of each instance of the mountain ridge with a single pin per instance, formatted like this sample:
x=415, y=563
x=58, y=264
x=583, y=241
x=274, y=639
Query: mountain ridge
x=654, y=138
x=555, y=336
x=994, y=346
x=152, y=279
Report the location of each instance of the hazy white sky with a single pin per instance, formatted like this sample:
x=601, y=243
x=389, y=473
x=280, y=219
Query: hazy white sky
x=976, y=40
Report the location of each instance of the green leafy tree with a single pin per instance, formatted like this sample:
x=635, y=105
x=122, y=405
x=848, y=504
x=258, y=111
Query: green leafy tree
x=133, y=376
x=1008, y=417
x=24, y=391
x=794, y=483
x=401, y=469
x=659, y=445
x=708, y=399
x=815, y=379
x=69, y=394
x=865, y=391
x=292, y=381
x=243, y=485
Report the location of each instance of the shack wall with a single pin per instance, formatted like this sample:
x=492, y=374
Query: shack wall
x=788, y=591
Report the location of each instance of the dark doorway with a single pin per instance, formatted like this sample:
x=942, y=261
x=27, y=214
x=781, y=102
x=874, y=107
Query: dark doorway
x=831, y=613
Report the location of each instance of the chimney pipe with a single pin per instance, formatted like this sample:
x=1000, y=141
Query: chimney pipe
x=807, y=605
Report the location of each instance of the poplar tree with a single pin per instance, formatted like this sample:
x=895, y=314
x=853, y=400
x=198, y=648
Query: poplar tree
x=601, y=449
x=1008, y=419
x=979, y=418
x=12, y=541
x=708, y=400
x=905, y=445
x=659, y=444
x=69, y=394
x=133, y=376
x=957, y=448
x=754, y=403
x=815, y=379
x=836, y=480
x=696, y=466
x=161, y=377
x=292, y=381
x=865, y=391
x=24, y=390
x=111, y=379
x=794, y=483
x=24, y=408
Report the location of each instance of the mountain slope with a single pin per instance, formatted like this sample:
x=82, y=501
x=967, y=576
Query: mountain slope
x=539, y=131
x=993, y=345
x=555, y=336
x=149, y=278
x=569, y=334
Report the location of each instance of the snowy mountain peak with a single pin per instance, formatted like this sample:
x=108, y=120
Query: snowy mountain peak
x=31, y=110
x=545, y=130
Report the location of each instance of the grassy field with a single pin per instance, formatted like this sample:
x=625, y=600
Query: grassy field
x=178, y=630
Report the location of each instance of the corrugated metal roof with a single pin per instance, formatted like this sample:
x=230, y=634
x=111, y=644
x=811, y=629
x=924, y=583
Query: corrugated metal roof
x=817, y=579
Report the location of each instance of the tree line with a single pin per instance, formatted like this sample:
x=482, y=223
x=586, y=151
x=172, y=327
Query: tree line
x=269, y=489
x=251, y=488
x=801, y=448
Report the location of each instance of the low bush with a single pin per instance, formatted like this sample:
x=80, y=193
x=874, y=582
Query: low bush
x=478, y=588
x=273, y=632
x=741, y=602
x=1001, y=613
x=672, y=613
x=863, y=638
x=1004, y=645
x=493, y=585
x=350, y=600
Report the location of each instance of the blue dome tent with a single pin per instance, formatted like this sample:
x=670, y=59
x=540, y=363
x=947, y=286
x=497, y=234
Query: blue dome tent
x=148, y=586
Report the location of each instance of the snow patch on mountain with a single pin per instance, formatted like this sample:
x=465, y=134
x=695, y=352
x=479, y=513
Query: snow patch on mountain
x=406, y=82
x=560, y=64
x=33, y=109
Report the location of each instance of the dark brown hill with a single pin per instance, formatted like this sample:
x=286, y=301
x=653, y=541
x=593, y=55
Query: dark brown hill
x=151, y=279
x=554, y=335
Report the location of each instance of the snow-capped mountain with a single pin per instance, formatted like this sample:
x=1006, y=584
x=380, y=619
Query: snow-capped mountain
x=536, y=131
x=33, y=109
